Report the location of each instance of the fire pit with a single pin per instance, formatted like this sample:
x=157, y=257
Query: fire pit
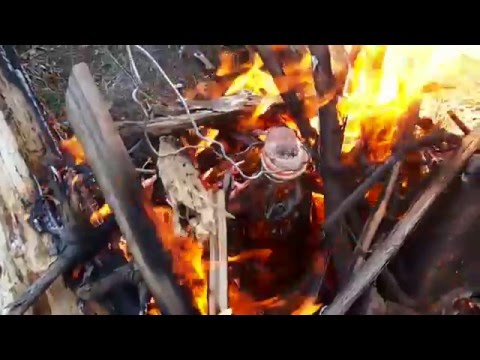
x=287, y=183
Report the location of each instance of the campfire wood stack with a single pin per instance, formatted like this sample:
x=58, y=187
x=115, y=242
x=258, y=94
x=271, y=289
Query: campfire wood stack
x=115, y=172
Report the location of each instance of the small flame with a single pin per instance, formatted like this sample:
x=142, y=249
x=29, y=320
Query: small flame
x=98, y=217
x=73, y=147
x=203, y=144
x=255, y=80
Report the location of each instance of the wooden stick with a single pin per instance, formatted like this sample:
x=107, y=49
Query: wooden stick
x=373, y=223
x=218, y=274
x=115, y=172
x=330, y=149
x=385, y=252
x=290, y=98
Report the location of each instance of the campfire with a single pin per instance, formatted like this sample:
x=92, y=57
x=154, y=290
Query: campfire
x=296, y=181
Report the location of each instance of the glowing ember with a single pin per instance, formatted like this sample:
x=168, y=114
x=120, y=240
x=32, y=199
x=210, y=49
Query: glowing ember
x=319, y=206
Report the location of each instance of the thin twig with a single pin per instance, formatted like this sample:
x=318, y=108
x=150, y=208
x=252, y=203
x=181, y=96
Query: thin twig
x=373, y=223
x=362, y=279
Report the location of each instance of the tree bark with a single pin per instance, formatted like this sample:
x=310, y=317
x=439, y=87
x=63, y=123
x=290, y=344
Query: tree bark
x=23, y=252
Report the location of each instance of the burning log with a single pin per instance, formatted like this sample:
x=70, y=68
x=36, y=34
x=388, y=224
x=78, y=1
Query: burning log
x=384, y=253
x=24, y=253
x=114, y=171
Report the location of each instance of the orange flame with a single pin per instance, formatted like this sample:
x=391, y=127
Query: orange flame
x=386, y=80
x=73, y=147
x=203, y=144
x=186, y=252
x=98, y=217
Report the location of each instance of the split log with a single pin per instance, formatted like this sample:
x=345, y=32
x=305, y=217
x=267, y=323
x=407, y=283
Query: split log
x=385, y=252
x=207, y=220
x=115, y=173
x=24, y=254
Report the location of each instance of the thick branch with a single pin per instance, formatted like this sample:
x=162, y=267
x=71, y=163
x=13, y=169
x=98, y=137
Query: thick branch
x=330, y=148
x=385, y=252
x=122, y=275
x=115, y=172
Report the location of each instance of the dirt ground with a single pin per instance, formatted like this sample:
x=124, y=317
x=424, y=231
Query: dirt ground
x=49, y=67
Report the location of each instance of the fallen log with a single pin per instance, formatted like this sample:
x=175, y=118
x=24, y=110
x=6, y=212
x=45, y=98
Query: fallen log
x=24, y=253
x=362, y=279
x=106, y=154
